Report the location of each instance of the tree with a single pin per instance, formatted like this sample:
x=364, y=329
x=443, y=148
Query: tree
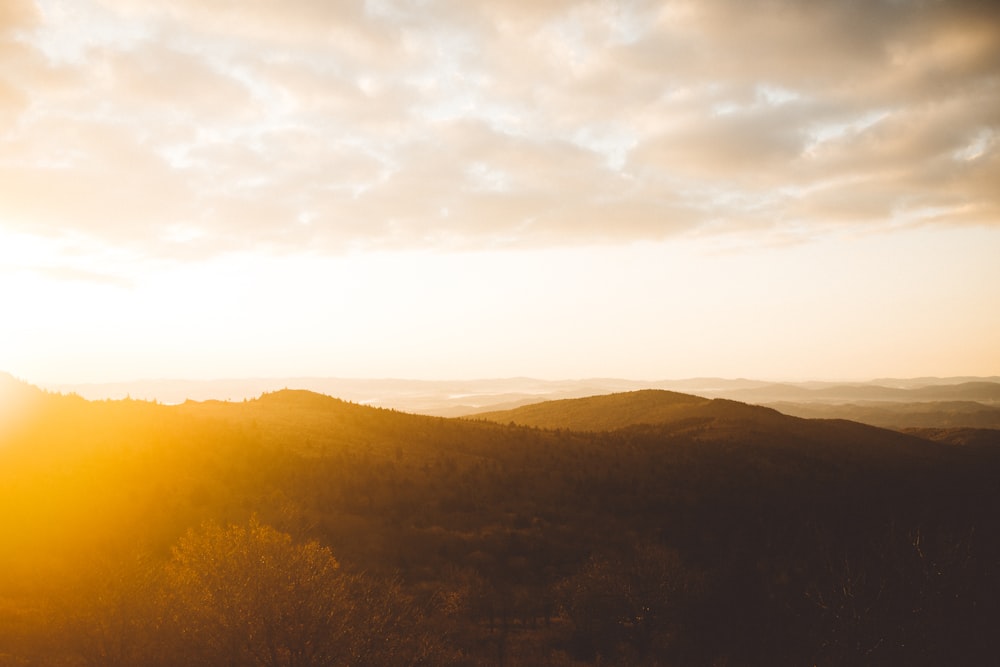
x=631, y=607
x=110, y=615
x=249, y=595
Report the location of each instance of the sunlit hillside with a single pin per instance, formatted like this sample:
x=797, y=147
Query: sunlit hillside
x=643, y=528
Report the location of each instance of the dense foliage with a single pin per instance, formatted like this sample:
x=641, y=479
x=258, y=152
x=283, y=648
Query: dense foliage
x=297, y=529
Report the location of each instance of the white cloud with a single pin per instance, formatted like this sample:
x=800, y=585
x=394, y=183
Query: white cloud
x=322, y=125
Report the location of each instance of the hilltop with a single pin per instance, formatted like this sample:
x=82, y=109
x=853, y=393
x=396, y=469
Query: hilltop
x=606, y=412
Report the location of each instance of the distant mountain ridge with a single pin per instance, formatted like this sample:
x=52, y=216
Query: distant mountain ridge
x=896, y=415
x=926, y=402
x=980, y=390
x=462, y=397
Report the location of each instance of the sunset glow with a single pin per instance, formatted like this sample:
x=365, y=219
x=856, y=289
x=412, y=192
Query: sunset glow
x=490, y=189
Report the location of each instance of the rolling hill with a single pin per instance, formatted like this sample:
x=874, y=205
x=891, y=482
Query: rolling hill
x=637, y=528
x=898, y=415
x=464, y=397
x=606, y=412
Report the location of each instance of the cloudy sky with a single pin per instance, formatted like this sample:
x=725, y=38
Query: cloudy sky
x=461, y=188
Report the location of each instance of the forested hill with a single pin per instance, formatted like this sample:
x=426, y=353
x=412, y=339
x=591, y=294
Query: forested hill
x=610, y=412
x=685, y=416
x=651, y=528
x=603, y=413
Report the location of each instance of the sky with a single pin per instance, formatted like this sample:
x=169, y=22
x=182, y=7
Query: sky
x=447, y=189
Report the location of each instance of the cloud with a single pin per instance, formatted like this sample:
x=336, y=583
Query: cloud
x=16, y=17
x=192, y=128
x=68, y=274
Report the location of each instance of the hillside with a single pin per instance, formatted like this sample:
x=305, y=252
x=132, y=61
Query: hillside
x=980, y=391
x=455, y=398
x=19, y=402
x=652, y=527
x=613, y=411
x=604, y=413
x=986, y=440
x=899, y=415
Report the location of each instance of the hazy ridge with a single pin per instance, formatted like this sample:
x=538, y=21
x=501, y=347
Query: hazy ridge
x=890, y=402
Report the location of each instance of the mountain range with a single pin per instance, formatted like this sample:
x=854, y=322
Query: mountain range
x=890, y=402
